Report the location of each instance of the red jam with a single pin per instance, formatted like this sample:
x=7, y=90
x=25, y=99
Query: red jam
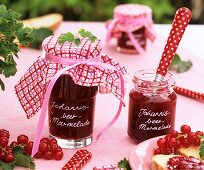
x=185, y=163
x=151, y=113
x=125, y=45
x=71, y=109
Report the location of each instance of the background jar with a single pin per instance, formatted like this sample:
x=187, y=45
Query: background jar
x=152, y=107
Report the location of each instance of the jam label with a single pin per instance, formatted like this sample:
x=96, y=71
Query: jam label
x=67, y=118
x=71, y=119
x=154, y=120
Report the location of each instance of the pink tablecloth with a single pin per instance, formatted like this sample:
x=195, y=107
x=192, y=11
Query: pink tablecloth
x=115, y=144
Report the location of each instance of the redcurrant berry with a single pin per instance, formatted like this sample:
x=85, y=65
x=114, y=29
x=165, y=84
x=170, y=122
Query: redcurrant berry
x=3, y=142
x=5, y=134
x=28, y=147
x=48, y=155
x=52, y=140
x=43, y=147
x=191, y=137
x=46, y=140
x=22, y=139
x=14, y=144
x=54, y=147
x=38, y=155
x=161, y=143
x=185, y=129
x=174, y=134
x=58, y=155
x=157, y=151
x=172, y=143
x=9, y=158
x=199, y=133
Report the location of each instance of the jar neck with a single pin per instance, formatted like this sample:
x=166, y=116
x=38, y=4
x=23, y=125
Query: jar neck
x=143, y=82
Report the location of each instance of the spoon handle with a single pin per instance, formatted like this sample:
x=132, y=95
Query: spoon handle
x=181, y=20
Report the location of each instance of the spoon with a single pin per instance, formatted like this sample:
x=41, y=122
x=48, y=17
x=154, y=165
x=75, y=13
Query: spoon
x=181, y=21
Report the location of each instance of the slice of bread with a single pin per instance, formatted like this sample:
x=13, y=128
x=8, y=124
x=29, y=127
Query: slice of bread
x=159, y=161
x=51, y=21
x=190, y=151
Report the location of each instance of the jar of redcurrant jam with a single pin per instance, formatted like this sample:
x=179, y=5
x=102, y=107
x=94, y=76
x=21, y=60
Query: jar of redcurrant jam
x=152, y=106
x=131, y=26
x=71, y=113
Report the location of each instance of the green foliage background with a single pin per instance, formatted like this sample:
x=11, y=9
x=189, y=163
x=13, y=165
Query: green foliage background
x=88, y=10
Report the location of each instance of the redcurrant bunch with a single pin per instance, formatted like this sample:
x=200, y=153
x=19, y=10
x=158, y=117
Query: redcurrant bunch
x=48, y=149
x=6, y=152
x=175, y=140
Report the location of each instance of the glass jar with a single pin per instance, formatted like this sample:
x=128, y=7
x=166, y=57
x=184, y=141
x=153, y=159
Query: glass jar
x=71, y=113
x=152, y=107
x=125, y=45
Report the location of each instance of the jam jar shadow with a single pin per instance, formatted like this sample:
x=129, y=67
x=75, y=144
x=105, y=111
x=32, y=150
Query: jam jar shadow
x=71, y=113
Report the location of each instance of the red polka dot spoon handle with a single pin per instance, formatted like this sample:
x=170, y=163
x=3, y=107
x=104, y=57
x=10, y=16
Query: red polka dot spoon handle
x=181, y=20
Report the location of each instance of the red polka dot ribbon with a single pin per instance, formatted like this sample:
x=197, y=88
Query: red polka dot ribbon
x=181, y=20
x=80, y=158
x=189, y=93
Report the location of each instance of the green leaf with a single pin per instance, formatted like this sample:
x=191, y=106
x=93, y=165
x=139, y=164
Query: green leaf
x=9, y=70
x=82, y=32
x=183, y=66
x=11, y=31
x=17, y=150
x=201, y=137
x=124, y=164
x=180, y=66
x=77, y=41
x=201, y=153
x=66, y=37
x=175, y=61
x=2, y=85
x=24, y=35
x=39, y=35
x=87, y=34
x=6, y=166
x=24, y=160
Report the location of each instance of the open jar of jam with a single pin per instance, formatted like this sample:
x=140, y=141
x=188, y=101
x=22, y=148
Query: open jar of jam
x=152, y=106
x=71, y=113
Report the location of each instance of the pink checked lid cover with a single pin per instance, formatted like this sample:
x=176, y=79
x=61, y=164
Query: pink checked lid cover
x=133, y=17
x=32, y=86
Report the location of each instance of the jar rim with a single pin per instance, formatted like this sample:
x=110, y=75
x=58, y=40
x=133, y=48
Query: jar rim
x=148, y=75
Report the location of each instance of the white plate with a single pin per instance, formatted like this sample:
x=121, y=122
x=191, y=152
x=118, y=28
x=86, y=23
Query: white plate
x=141, y=158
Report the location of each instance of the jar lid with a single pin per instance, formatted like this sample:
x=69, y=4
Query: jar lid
x=85, y=50
x=131, y=10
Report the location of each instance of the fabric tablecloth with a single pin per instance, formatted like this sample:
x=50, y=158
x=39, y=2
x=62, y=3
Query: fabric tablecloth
x=115, y=144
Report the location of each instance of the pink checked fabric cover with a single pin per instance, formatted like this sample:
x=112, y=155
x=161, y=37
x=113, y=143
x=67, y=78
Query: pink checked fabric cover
x=132, y=17
x=32, y=86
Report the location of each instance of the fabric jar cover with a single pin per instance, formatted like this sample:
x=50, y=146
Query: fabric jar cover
x=84, y=63
x=128, y=18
